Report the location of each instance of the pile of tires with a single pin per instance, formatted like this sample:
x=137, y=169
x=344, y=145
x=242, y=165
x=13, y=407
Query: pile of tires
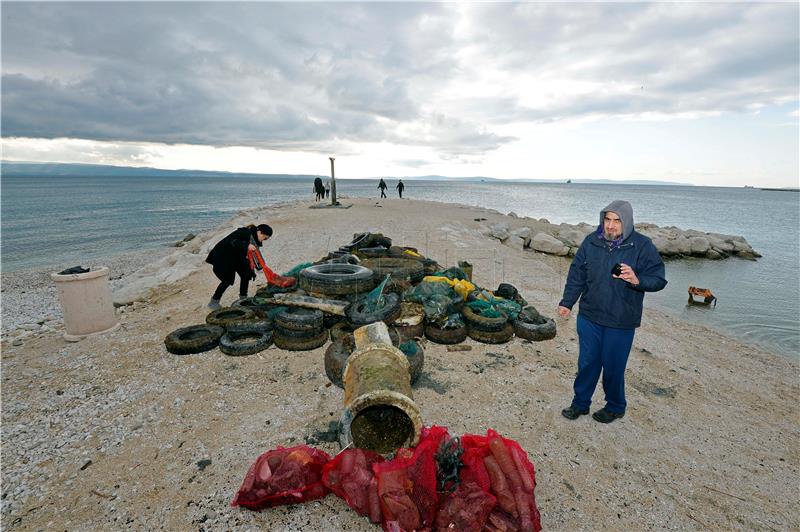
x=237, y=331
x=247, y=330
x=349, y=273
x=299, y=329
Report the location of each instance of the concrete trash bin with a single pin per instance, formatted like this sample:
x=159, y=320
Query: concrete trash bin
x=86, y=303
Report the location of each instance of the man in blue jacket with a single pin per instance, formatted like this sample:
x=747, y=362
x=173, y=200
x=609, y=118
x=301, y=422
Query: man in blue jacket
x=610, y=273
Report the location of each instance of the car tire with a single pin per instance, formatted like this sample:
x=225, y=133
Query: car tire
x=445, y=336
x=406, y=269
x=337, y=279
x=230, y=316
x=299, y=319
x=483, y=323
x=243, y=343
x=259, y=305
x=193, y=339
x=387, y=313
x=293, y=333
x=543, y=329
x=299, y=344
x=492, y=337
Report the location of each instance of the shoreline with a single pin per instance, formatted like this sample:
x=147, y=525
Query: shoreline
x=44, y=309
x=107, y=432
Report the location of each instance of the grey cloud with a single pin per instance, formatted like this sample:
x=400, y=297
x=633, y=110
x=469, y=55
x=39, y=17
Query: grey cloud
x=268, y=75
x=687, y=57
x=309, y=76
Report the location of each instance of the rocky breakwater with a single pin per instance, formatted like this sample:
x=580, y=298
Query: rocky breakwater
x=564, y=239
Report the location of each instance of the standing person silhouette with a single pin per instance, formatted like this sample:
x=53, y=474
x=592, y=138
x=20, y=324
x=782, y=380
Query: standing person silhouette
x=400, y=187
x=319, y=189
x=383, y=187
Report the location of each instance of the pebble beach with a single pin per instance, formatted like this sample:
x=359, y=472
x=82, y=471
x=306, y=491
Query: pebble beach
x=114, y=432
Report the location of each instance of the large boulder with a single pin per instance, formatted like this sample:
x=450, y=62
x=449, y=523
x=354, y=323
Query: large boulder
x=682, y=245
x=571, y=237
x=524, y=233
x=548, y=244
x=719, y=243
x=499, y=231
x=698, y=245
x=516, y=242
x=665, y=246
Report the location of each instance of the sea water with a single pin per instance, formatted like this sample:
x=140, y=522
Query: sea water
x=67, y=220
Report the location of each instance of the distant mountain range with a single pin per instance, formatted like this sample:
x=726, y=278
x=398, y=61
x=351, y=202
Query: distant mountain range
x=25, y=169
x=30, y=169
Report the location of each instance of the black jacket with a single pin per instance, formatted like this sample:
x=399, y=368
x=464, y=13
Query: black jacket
x=231, y=251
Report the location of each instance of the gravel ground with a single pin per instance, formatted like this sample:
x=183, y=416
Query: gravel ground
x=113, y=432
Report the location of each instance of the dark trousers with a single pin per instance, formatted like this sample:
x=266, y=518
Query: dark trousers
x=603, y=349
x=383, y=193
x=227, y=275
x=400, y=191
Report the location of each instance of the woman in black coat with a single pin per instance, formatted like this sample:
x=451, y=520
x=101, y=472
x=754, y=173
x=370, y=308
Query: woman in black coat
x=229, y=257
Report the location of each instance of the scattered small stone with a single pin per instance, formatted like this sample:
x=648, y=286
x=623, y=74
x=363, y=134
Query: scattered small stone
x=202, y=464
x=87, y=464
x=459, y=347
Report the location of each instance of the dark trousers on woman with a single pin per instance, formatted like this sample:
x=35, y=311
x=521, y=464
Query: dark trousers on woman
x=602, y=348
x=227, y=275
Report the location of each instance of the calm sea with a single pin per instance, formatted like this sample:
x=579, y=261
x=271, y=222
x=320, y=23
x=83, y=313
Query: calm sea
x=67, y=220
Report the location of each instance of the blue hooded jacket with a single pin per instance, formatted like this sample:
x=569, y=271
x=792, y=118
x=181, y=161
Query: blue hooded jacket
x=603, y=299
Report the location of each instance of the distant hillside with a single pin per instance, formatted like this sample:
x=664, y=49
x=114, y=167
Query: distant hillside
x=28, y=169
x=18, y=169
x=601, y=182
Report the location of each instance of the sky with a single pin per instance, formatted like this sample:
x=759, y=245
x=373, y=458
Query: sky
x=706, y=94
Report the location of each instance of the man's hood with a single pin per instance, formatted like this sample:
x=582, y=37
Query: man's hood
x=624, y=210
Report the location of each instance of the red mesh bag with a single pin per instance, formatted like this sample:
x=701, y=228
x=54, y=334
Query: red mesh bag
x=512, y=480
x=407, y=484
x=283, y=476
x=468, y=507
x=349, y=475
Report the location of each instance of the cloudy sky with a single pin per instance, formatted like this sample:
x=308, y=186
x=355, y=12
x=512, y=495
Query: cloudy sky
x=695, y=93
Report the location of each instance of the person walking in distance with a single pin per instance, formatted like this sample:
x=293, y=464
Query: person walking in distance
x=319, y=189
x=611, y=272
x=229, y=257
x=327, y=189
x=400, y=187
x=383, y=187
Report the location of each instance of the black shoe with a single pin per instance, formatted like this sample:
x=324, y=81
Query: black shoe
x=604, y=416
x=573, y=413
